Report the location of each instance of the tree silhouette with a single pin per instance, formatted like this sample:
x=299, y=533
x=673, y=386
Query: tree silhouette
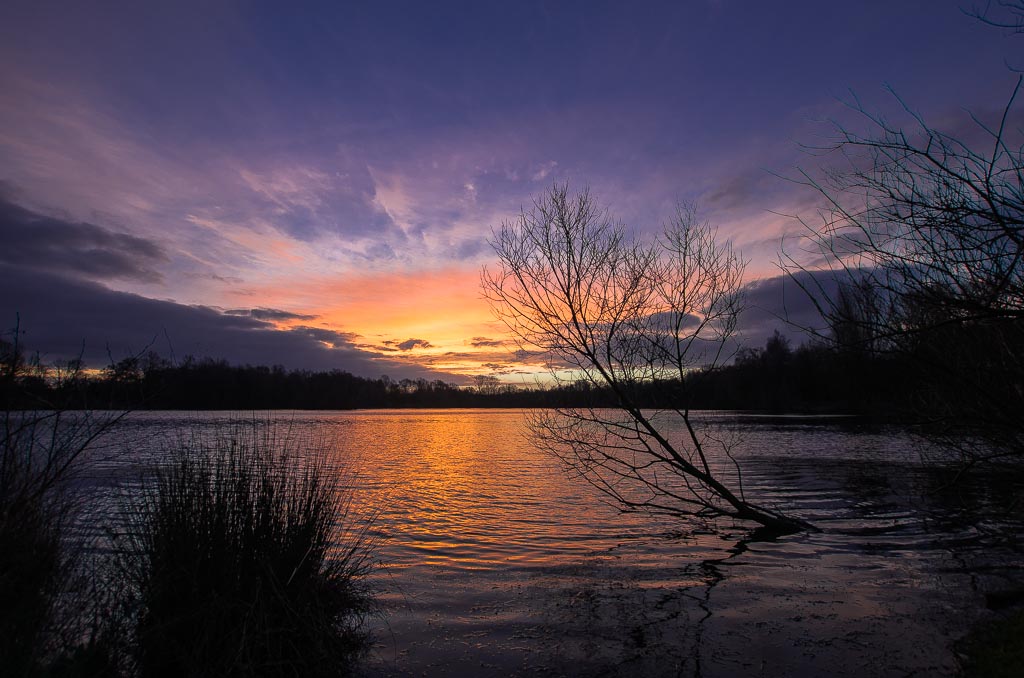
x=923, y=229
x=630, y=316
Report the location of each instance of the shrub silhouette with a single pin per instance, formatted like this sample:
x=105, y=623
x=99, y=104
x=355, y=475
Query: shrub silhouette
x=243, y=565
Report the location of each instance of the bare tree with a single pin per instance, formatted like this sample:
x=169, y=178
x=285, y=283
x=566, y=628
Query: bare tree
x=924, y=231
x=1008, y=14
x=614, y=311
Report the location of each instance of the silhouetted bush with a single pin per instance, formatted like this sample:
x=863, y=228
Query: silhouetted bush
x=244, y=566
x=48, y=619
x=31, y=566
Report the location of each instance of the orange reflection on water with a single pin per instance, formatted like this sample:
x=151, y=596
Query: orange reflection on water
x=465, y=490
x=495, y=560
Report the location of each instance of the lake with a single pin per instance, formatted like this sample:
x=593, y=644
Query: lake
x=492, y=562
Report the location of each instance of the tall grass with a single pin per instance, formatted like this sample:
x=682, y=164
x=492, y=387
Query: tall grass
x=45, y=608
x=32, y=564
x=245, y=563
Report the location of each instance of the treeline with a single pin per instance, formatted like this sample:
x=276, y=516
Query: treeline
x=216, y=384
x=151, y=382
x=777, y=377
x=813, y=377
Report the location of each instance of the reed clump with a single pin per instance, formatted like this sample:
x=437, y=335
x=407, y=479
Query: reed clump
x=48, y=623
x=31, y=565
x=244, y=563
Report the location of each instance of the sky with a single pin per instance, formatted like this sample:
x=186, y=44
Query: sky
x=314, y=184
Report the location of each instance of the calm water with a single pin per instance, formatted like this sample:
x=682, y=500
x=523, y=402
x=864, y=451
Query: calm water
x=493, y=562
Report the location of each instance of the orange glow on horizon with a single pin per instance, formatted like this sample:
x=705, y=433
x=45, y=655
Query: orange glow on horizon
x=444, y=308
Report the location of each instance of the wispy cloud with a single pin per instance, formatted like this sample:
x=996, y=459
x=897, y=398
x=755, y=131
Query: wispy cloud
x=485, y=342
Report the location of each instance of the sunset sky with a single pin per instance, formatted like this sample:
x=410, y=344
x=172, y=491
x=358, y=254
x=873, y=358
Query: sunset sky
x=313, y=185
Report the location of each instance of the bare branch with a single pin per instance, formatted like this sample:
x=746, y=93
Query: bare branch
x=924, y=234
x=627, y=314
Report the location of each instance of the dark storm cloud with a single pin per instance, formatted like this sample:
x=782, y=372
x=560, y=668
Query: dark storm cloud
x=783, y=303
x=79, y=249
x=64, y=318
x=269, y=314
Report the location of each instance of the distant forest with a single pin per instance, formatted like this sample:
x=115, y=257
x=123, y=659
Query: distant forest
x=811, y=378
